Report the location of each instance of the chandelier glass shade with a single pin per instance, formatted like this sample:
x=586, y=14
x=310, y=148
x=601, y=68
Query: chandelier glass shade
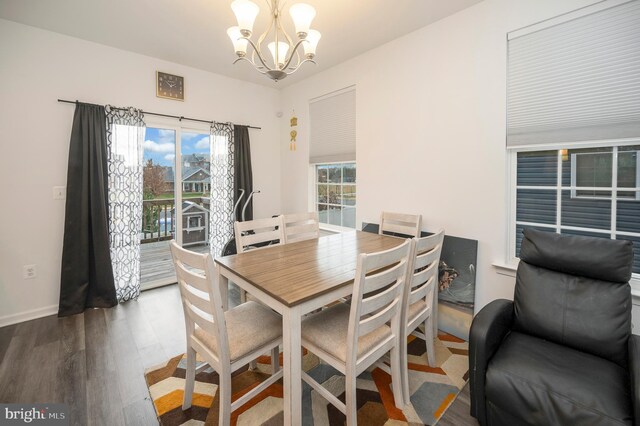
x=285, y=57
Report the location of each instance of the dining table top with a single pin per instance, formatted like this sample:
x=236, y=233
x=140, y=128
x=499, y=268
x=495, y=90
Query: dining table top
x=296, y=272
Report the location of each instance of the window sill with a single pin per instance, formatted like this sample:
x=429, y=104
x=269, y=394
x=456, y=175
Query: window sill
x=506, y=269
x=335, y=228
x=509, y=270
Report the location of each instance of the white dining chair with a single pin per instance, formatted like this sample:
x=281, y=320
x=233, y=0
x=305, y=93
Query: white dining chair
x=353, y=337
x=301, y=226
x=400, y=223
x=420, y=300
x=225, y=340
x=255, y=234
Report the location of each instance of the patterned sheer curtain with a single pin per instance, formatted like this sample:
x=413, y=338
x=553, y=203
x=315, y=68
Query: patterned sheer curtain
x=221, y=223
x=125, y=135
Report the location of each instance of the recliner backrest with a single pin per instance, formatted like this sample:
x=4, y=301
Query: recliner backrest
x=575, y=291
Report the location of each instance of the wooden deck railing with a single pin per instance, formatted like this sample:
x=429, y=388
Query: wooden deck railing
x=158, y=222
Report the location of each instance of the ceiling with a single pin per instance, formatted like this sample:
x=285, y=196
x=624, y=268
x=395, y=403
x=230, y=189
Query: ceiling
x=193, y=32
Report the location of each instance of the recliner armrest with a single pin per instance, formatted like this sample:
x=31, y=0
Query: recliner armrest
x=634, y=376
x=488, y=329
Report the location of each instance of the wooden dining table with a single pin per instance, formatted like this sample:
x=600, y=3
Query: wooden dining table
x=295, y=279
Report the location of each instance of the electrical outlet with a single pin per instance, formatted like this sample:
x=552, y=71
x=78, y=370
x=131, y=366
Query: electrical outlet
x=59, y=192
x=29, y=272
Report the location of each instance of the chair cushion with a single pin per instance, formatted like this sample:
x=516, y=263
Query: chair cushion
x=541, y=382
x=415, y=309
x=249, y=327
x=327, y=330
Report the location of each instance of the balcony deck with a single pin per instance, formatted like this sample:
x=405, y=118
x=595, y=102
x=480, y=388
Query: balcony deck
x=156, y=264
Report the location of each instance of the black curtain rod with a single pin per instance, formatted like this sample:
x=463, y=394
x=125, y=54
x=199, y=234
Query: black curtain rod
x=157, y=114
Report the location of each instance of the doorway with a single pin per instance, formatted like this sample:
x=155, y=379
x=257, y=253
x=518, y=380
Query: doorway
x=176, y=198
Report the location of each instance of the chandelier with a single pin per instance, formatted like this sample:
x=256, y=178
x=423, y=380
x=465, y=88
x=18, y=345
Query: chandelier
x=283, y=49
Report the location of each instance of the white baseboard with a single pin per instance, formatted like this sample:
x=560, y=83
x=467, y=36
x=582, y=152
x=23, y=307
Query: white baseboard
x=28, y=315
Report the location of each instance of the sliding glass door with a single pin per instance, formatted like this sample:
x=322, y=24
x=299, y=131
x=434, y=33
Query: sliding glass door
x=195, y=189
x=176, y=186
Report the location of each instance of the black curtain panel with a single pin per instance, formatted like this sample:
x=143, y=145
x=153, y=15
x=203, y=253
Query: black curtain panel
x=242, y=174
x=87, y=276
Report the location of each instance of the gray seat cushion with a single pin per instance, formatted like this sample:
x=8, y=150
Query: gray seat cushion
x=249, y=327
x=415, y=309
x=327, y=330
x=541, y=382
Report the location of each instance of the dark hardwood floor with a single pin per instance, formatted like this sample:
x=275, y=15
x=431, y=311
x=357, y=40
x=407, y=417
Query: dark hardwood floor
x=95, y=362
x=458, y=413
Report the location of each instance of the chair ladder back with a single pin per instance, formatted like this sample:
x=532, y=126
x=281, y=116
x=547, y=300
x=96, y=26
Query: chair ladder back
x=380, y=318
x=425, y=270
x=258, y=231
x=259, y=237
x=422, y=274
x=383, y=277
x=382, y=260
x=194, y=296
x=400, y=223
x=201, y=299
x=379, y=300
x=197, y=318
x=422, y=288
x=187, y=257
x=427, y=256
x=377, y=297
x=301, y=226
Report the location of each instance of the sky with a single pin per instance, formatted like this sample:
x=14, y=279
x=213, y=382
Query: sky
x=160, y=145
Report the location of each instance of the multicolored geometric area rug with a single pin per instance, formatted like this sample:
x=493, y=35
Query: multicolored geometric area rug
x=432, y=388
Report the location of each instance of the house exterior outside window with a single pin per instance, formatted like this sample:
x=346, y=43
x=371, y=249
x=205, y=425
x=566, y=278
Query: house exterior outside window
x=581, y=191
x=335, y=189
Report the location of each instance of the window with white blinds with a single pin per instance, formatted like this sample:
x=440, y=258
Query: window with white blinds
x=333, y=127
x=573, y=126
x=575, y=81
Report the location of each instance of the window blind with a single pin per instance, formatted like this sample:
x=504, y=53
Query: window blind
x=333, y=128
x=575, y=81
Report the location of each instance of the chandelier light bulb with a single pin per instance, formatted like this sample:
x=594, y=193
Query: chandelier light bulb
x=283, y=48
x=239, y=43
x=246, y=13
x=310, y=44
x=302, y=15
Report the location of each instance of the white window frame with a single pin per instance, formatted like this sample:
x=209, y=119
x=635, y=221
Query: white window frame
x=637, y=172
x=313, y=195
x=511, y=261
x=614, y=154
x=190, y=216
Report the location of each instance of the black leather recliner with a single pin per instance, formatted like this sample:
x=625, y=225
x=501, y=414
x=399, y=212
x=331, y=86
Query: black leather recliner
x=562, y=352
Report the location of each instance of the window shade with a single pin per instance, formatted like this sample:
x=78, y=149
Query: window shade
x=576, y=81
x=333, y=128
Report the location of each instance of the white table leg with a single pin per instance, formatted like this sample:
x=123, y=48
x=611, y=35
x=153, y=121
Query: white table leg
x=292, y=366
x=223, y=282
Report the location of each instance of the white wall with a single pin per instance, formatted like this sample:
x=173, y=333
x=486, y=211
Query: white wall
x=430, y=133
x=430, y=124
x=36, y=68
